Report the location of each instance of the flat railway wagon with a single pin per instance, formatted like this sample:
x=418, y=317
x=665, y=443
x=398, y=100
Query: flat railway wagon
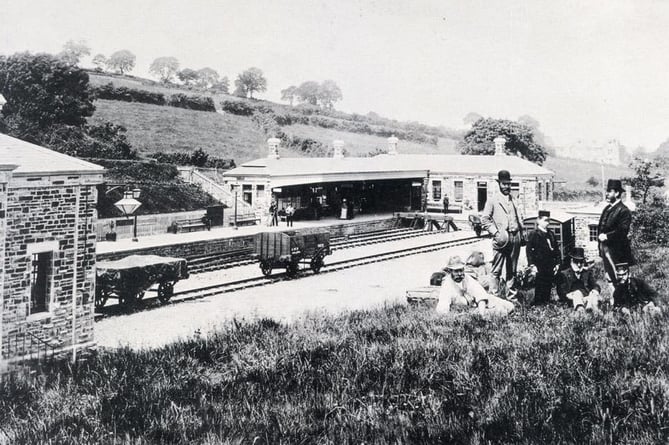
x=290, y=250
x=129, y=278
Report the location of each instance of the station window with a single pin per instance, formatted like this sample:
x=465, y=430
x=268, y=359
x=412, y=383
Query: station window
x=458, y=187
x=436, y=190
x=557, y=231
x=515, y=189
x=593, y=232
x=260, y=192
x=540, y=190
x=40, y=280
x=247, y=193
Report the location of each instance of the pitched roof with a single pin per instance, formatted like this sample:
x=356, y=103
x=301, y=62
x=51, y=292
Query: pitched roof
x=448, y=164
x=31, y=158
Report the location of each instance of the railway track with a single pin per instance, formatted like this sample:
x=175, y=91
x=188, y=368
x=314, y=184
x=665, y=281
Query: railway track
x=260, y=280
x=242, y=257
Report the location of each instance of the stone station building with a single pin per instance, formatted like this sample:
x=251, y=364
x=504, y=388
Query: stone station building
x=387, y=182
x=47, y=250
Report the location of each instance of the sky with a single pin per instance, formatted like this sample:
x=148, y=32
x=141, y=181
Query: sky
x=591, y=70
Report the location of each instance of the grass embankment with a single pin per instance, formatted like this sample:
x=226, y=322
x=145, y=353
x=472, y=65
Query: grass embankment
x=154, y=128
x=576, y=174
x=391, y=375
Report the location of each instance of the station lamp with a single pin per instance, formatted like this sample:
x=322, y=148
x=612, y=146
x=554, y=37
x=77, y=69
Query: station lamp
x=129, y=205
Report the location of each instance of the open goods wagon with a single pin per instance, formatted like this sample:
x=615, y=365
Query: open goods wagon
x=290, y=249
x=129, y=278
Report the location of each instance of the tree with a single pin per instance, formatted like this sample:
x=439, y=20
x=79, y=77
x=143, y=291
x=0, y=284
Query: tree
x=519, y=139
x=289, y=94
x=207, y=78
x=648, y=176
x=188, y=76
x=663, y=150
x=165, y=68
x=122, y=61
x=222, y=86
x=308, y=92
x=73, y=51
x=534, y=124
x=100, y=62
x=329, y=93
x=250, y=81
x=471, y=117
x=42, y=90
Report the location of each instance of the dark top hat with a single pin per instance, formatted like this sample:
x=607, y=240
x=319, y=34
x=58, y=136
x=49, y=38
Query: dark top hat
x=614, y=184
x=577, y=253
x=503, y=176
x=545, y=213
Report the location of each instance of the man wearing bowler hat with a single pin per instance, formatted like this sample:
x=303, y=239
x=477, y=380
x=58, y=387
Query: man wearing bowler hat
x=577, y=284
x=543, y=256
x=614, y=225
x=502, y=220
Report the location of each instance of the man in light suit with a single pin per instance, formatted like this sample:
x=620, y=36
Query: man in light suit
x=614, y=225
x=502, y=220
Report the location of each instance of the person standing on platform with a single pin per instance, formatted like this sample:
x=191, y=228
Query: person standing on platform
x=501, y=219
x=290, y=211
x=446, y=201
x=273, y=214
x=613, y=228
x=543, y=256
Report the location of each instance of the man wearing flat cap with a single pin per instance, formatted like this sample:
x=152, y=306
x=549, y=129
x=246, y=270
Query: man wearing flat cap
x=576, y=284
x=613, y=228
x=501, y=218
x=461, y=289
x=633, y=291
x=543, y=256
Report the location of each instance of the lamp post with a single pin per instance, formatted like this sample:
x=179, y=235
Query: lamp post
x=128, y=205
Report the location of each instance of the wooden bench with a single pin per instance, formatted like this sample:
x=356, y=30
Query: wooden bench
x=183, y=225
x=245, y=219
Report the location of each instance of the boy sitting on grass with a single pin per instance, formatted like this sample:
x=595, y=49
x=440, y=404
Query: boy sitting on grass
x=458, y=288
x=633, y=291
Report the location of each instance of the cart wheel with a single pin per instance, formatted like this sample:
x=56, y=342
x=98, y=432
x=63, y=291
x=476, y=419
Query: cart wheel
x=101, y=298
x=165, y=291
x=316, y=264
x=266, y=268
x=127, y=300
x=140, y=295
x=292, y=269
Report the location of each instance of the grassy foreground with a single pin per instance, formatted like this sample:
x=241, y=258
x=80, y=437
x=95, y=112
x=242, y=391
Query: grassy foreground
x=388, y=375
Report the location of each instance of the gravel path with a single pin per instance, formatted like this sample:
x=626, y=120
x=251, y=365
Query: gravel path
x=357, y=288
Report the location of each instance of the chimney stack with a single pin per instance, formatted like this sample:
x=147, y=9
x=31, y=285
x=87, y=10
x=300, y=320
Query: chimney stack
x=273, y=144
x=500, y=142
x=338, y=149
x=392, y=145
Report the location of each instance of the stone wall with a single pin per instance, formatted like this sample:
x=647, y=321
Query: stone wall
x=53, y=214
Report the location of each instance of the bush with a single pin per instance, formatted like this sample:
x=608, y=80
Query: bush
x=238, y=107
x=651, y=223
x=199, y=103
x=110, y=92
x=139, y=170
x=198, y=158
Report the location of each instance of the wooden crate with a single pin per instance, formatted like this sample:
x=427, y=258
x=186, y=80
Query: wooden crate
x=426, y=296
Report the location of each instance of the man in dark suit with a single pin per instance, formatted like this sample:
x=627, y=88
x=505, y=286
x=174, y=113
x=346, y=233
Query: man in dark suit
x=502, y=220
x=543, y=256
x=633, y=291
x=577, y=284
x=614, y=225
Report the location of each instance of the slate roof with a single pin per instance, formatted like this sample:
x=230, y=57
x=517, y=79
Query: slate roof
x=30, y=158
x=447, y=164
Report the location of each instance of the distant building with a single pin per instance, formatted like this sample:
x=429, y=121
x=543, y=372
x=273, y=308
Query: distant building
x=47, y=250
x=387, y=182
x=608, y=153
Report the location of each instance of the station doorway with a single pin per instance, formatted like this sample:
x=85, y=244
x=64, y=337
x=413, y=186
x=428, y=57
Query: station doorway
x=481, y=194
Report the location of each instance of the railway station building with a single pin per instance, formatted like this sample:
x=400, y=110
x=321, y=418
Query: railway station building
x=389, y=182
x=47, y=251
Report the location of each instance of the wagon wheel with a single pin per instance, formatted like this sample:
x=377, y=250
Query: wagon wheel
x=127, y=299
x=101, y=297
x=292, y=269
x=316, y=263
x=266, y=268
x=165, y=291
x=140, y=295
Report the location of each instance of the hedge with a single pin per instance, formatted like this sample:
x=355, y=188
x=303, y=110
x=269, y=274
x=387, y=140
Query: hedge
x=199, y=103
x=110, y=92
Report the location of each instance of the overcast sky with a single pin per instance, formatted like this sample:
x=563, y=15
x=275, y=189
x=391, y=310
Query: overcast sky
x=591, y=70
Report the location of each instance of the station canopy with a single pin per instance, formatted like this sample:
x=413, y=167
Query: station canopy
x=298, y=171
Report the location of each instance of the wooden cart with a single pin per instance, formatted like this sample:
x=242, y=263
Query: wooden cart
x=290, y=250
x=129, y=278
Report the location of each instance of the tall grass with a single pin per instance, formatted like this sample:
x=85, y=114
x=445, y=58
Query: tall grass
x=388, y=375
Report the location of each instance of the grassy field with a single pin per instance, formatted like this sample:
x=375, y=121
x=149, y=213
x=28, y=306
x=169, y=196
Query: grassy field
x=153, y=128
x=390, y=375
x=361, y=144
